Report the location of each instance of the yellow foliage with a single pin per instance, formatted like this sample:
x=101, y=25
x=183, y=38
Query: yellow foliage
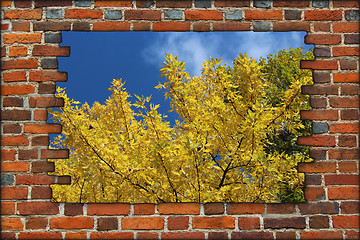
x=216, y=152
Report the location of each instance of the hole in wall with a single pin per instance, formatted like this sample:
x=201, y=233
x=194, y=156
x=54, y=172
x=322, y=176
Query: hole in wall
x=97, y=58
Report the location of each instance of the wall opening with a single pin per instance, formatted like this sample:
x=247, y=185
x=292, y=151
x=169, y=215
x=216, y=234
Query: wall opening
x=195, y=47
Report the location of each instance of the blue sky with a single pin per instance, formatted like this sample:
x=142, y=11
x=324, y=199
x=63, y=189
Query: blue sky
x=98, y=57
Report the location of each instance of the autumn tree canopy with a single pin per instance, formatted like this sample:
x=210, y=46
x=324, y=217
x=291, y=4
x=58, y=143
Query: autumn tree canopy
x=234, y=141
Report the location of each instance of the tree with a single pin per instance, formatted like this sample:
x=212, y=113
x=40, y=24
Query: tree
x=226, y=145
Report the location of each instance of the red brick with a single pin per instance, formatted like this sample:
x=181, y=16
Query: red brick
x=182, y=235
x=34, y=179
x=325, y=39
x=11, y=193
x=319, y=222
x=52, y=26
x=263, y=14
x=3, y=51
x=345, y=27
x=42, y=76
x=245, y=208
x=343, y=193
x=108, y=209
x=319, y=141
x=290, y=26
x=321, y=27
x=111, y=26
x=72, y=223
x=12, y=128
x=7, y=208
x=252, y=235
x=317, y=102
x=319, y=64
x=174, y=4
x=349, y=207
x=218, y=235
x=20, y=64
x=150, y=15
x=346, y=77
x=14, y=141
x=344, y=128
x=41, y=193
x=81, y=26
x=340, y=154
x=231, y=3
x=14, y=166
x=141, y=26
x=351, y=234
x=179, y=208
x=319, y=114
x=142, y=223
x=314, y=193
x=321, y=77
x=350, y=90
x=23, y=14
x=144, y=209
x=7, y=154
x=276, y=223
x=345, y=51
x=112, y=235
x=13, y=102
x=11, y=224
x=75, y=235
x=40, y=115
x=346, y=221
x=23, y=4
x=22, y=38
x=320, y=15
x=286, y=235
x=214, y=222
x=21, y=26
x=171, y=26
x=17, y=89
x=201, y=27
x=214, y=208
x=249, y=223
x=350, y=102
x=42, y=166
x=320, y=90
x=47, y=88
x=41, y=50
x=203, y=15
x=73, y=209
x=348, y=167
x=18, y=76
x=122, y=3
x=6, y=3
x=178, y=223
x=4, y=26
x=319, y=208
x=349, y=114
x=40, y=141
x=52, y=3
x=342, y=179
x=147, y=235
x=54, y=153
x=83, y=13
x=321, y=235
x=317, y=167
x=41, y=102
x=40, y=235
x=297, y=3
x=284, y=208
x=109, y=223
x=349, y=3
x=231, y=26
x=17, y=51
x=36, y=223
x=42, y=128
x=16, y=115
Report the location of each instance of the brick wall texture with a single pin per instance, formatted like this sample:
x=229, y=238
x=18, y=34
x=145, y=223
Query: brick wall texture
x=31, y=34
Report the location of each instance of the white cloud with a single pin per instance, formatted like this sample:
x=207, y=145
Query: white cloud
x=194, y=48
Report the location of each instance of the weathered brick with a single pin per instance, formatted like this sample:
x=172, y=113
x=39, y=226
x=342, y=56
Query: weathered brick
x=19, y=64
x=40, y=235
x=12, y=128
x=52, y=3
x=21, y=26
x=319, y=222
x=182, y=235
x=320, y=3
x=122, y=3
x=113, y=14
x=349, y=102
x=81, y=26
x=320, y=90
x=147, y=235
x=17, y=51
x=312, y=179
x=72, y=223
x=52, y=26
x=173, y=14
x=36, y=223
x=352, y=15
x=53, y=38
x=23, y=4
x=73, y=209
x=82, y=3
x=8, y=154
x=348, y=64
x=231, y=3
x=214, y=208
x=314, y=193
x=297, y=3
x=142, y=223
x=322, y=52
x=319, y=208
x=233, y=15
x=342, y=221
x=141, y=26
x=145, y=3
x=349, y=207
x=54, y=153
x=111, y=26
x=280, y=208
x=42, y=166
x=112, y=235
x=252, y=235
x=293, y=14
x=347, y=141
x=290, y=26
x=347, y=4
x=46, y=102
x=261, y=26
x=349, y=114
x=342, y=179
x=262, y=3
x=294, y=222
x=340, y=154
x=14, y=166
x=245, y=208
x=41, y=192
x=286, y=235
x=249, y=223
x=263, y=14
x=35, y=180
x=203, y=3
x=40, y=115
x=7, y=180
x=320, y=127
x=49, y=63
x=26, y=154
x=201, y=27
x=322, y=27
x=54, y=13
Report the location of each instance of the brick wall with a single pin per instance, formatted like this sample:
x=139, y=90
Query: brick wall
x=31, y=33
